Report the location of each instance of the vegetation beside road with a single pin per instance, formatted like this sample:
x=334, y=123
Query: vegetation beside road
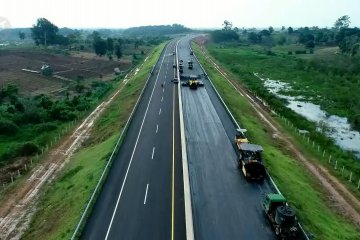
x=63, y=201
x=296, y=183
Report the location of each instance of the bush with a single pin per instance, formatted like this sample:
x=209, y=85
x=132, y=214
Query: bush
x=29, y=149
x=45, y=127
x=62, y=112
x=8, y=127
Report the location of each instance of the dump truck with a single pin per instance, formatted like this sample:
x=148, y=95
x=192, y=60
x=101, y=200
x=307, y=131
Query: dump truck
x=249, y=160
x=281, y=216
x=190, y=63
x=181, y=66
x=193, y=82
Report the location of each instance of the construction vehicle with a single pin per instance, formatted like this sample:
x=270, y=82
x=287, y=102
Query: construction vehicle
x=190, y=63
x=281, y=216
x=249, y=160
x=193, y=82
x=181, y=66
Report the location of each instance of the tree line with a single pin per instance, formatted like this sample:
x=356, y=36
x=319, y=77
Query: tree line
x=341, y=35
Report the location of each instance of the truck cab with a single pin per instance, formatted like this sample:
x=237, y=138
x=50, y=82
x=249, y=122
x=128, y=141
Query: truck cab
x=240, y=137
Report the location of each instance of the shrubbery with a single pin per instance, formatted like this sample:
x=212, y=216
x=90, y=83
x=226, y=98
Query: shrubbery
x=8, y=127
x=29, y=149
x=30, y=122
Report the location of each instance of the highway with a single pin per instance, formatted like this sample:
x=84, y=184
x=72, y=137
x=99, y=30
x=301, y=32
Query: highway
x=142, y=197
x=225, y=205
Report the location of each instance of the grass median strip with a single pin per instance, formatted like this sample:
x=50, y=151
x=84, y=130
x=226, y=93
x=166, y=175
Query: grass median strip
x=303, y=192
x=63, y=201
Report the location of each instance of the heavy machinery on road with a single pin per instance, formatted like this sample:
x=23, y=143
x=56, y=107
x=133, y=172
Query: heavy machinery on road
x=281, y=216
x=181, y=66
x=250, y=161
x=190, y=63
x=193, y=82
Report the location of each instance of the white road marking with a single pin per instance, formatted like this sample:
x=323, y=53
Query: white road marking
x=162, y=98
x=152, y=155
x=132, y=155
x=163, y=89
x=157, y=127
x=146, y=192
x=160, y=111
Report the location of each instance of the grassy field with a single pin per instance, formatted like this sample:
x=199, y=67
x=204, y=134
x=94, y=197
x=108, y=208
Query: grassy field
x=60, y=207
x=310, y=75
x=302, y=191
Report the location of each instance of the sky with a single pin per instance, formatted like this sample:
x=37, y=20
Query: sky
x=191, y=13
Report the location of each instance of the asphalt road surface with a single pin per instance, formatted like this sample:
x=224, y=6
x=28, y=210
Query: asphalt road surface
x=142, y=197
x=225, y=205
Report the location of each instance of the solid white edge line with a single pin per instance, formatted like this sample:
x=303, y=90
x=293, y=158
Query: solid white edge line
x=132, y=155
x=187, y=195
x=146, y=193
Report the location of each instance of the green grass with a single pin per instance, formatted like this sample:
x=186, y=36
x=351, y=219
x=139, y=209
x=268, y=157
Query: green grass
x=296, y=183
x=310, y=75
x=63, y=201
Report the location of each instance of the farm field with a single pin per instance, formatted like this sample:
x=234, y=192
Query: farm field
x=69, y=68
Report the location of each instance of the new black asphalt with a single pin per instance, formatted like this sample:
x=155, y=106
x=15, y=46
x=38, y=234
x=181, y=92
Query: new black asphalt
x=225, y=205
x=142, y=197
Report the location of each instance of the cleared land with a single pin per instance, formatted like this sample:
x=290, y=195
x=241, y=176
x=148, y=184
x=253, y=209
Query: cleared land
x=69, y=67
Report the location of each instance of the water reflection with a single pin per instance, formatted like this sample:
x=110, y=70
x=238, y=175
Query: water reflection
x=333, y=126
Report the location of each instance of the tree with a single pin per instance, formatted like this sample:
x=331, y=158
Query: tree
x=21, y=35
x=118, y=51
x=136, y=44
x=110, y=44
x=44, y=32
x=283, y=28
x=227, y=25
x=290, y=30
x=62, y=40
x=254, y=38
x=265, y=33
x=75, y=37
x=342, y=22
x=282, y=40
x=310, y=44
x=224, y=35
x=100, y=46
x=271, y=29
